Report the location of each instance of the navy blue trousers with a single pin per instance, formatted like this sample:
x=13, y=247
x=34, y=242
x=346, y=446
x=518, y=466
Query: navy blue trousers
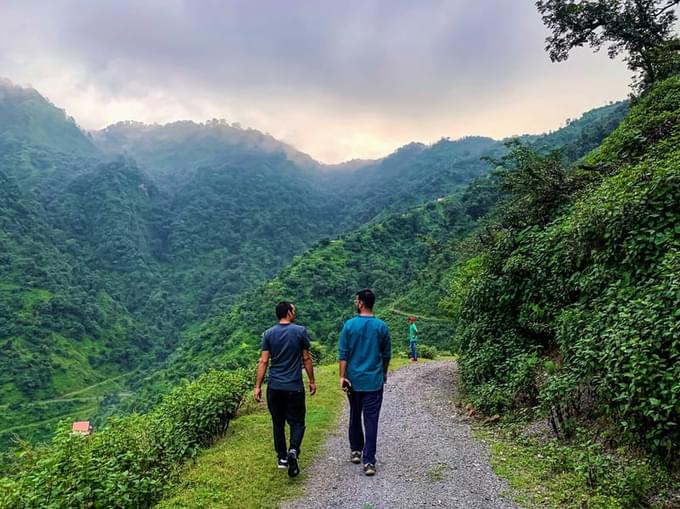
x=363, y=438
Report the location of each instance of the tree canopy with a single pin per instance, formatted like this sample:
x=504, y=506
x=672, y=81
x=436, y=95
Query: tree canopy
x=641, y=29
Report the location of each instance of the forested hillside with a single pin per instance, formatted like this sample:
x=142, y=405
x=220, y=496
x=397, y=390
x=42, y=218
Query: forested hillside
x=57, y=334
x=28, y=120
x=386, y=256
x=172, y=153
x=405, y=256
x=148, y=235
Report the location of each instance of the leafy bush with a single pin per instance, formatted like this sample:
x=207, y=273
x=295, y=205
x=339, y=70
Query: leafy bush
x=127, y=463
x=319, y=353
x=592, y=281
x=427, y=351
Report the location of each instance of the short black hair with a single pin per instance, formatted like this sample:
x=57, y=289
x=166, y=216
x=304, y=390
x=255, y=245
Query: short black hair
x=367, y=297
x=282, y=309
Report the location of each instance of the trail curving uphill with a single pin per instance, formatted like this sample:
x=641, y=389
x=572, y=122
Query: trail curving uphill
x=426, y=454
x=98, y=384
x=419, y=316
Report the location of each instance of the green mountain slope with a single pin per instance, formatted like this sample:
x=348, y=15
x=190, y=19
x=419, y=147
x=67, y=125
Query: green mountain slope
x=412, y=175
x=581, y=135
x=387, y=256
x=148, y=251
x=56, y=335
x=28, y=119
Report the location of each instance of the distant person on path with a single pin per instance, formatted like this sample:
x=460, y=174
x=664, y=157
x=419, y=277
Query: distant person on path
x=412, y=338
x=364, y=352
x=287, y=346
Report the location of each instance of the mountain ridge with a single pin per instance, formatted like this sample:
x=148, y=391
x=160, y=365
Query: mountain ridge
x=133, y=234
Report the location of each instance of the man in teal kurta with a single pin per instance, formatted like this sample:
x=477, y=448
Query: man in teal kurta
x=364, y=352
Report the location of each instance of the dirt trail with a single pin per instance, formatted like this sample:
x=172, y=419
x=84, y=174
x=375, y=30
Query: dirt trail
x=426, y=454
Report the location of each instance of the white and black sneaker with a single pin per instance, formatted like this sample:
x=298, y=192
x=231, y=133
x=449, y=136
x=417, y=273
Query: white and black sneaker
x=355, y=457
x=282, y=463
x=293, y=467
x=369, y=469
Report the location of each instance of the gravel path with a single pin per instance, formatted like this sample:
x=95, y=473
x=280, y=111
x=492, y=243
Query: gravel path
x=426, y=455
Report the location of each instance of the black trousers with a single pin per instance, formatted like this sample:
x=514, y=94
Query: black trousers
x=287, y=406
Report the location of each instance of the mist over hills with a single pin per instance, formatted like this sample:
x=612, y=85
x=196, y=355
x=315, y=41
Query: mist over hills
x=176, y=149
x=27, y=118
x=119, y=244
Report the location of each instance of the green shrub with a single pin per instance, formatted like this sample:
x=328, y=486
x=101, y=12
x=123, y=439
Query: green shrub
x=491, y=398
x=319, y=353
x=127, y=463
x=427, y=351
x=593, y=283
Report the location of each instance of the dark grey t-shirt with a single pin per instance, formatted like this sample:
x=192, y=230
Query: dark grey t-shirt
x=285, y=343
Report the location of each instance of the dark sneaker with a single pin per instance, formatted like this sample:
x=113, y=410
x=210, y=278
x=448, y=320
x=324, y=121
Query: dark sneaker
x=369, y=469
x=282, y=463
x=293, y=467
x=355, y=457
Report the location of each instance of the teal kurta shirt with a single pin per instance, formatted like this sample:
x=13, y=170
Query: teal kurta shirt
x=365, y=344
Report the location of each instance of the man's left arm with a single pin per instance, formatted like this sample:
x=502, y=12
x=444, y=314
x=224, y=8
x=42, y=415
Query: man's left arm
x=261, y=371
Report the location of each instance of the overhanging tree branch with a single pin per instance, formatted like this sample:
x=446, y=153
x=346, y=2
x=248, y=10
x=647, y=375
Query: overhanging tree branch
x=642, y=29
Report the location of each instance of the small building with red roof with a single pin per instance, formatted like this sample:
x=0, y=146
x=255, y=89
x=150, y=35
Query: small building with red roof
x=82, y=427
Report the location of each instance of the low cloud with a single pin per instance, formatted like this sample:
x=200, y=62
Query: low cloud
x=336, y=79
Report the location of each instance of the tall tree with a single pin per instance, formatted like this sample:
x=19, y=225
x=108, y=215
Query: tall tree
x=642, y=29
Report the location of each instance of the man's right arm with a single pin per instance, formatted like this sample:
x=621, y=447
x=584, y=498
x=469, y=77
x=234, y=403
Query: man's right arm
x=343, y=355
x=344, y=382
x=386, y=352
x=308, y=363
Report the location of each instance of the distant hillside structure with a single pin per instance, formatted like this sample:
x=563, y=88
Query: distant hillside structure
x=82, y=427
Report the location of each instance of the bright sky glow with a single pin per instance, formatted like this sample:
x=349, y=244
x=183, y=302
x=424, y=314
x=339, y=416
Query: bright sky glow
x=337, y=80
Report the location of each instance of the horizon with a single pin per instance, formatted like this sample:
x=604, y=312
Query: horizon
x=238, y=125
x=336, y=82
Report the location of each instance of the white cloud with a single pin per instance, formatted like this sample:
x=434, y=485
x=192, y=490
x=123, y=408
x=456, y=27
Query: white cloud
x=336, y=79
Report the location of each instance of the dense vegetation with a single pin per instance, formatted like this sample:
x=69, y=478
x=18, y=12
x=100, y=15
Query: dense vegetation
x=404, y=256
x=387, y=256
x=56, y=334
x=27, y=119
x=95, y=248
x=140, y=255
x=129, y=462
x=572, y=301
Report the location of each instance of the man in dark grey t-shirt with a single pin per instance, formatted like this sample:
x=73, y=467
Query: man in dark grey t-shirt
x=287, y=346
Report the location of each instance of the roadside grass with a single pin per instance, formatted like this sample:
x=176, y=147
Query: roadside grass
x=240, y=469
x=576, y=474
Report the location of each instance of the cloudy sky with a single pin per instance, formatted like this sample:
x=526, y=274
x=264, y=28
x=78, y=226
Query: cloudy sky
x=336, y=79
